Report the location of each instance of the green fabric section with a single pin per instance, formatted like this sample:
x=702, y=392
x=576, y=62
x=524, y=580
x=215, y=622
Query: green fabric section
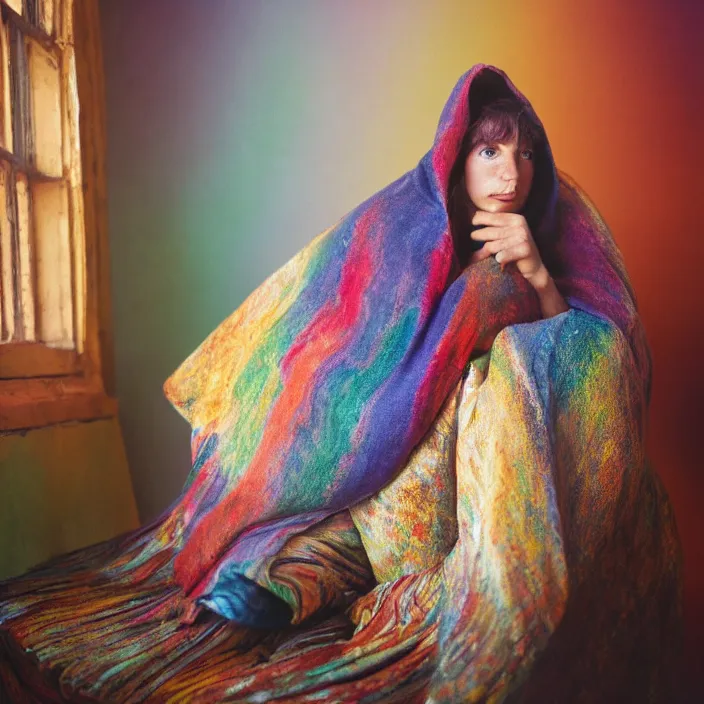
x=353, y=388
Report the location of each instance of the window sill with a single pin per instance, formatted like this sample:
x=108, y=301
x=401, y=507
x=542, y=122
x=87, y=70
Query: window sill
x=36, y=403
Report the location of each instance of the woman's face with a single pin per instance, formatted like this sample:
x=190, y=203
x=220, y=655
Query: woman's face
x=493, y=169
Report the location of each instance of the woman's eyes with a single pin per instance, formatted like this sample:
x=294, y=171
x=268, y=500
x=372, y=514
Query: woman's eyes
x=529, y=152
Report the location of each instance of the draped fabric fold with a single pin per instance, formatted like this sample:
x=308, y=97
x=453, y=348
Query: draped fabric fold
x=406, y=486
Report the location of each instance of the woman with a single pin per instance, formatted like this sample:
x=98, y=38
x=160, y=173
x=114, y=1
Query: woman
x=389, y=408
x=492, y=177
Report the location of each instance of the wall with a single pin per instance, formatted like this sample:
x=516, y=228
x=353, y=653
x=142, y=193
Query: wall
x=61, y=488
x=237, y=130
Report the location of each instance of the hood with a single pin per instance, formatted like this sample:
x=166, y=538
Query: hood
x=480, y=85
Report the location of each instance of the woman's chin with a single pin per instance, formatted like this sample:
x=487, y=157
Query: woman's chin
x=491, y=205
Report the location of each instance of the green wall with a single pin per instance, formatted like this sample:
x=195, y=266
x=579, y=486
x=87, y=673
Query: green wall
x=61, y=488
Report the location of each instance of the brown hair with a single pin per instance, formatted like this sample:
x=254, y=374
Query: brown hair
x=498, y=121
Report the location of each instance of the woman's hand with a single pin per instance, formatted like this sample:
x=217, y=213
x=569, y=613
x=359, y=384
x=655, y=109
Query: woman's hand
x=508, y=237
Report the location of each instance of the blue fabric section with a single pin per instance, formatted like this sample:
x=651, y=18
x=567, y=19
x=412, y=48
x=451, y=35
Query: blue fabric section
x=239, y=599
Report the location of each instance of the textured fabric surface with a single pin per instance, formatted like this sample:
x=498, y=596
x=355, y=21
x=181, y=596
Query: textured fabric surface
x=374, y=414
x=411, y=523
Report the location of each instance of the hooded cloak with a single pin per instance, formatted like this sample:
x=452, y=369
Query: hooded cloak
x=406, y=486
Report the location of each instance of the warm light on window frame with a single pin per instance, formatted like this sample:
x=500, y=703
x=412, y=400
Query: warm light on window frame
x=43, y=384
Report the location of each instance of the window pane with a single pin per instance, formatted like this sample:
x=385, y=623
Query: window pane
x=16, y=5
x=50, y=216
x=46, y=15
x=24, y=259
x=45, y=89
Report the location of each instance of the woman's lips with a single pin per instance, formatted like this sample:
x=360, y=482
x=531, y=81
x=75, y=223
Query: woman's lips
x=506, y=197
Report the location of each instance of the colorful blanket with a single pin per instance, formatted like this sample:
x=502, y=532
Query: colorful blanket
x=406, y=486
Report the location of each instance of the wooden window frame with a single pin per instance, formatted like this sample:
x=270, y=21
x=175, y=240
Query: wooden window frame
x=84, y=388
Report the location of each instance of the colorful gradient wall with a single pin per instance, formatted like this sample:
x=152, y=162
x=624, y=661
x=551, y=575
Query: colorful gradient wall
x=238, y=129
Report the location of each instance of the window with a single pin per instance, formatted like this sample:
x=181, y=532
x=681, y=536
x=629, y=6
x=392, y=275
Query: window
x=51, y=222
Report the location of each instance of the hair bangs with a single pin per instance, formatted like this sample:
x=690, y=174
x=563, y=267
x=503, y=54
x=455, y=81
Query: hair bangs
x=500, y=122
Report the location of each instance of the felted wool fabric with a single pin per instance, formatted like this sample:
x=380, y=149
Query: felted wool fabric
x=406, y=486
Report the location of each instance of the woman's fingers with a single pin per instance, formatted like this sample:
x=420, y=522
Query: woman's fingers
x=482, y=217
x=501, y=247
x=485, y=234
x=513, y=252
x=508, y=237
x=505, y=243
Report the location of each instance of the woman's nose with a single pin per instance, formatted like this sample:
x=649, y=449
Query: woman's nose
x=510, y=170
